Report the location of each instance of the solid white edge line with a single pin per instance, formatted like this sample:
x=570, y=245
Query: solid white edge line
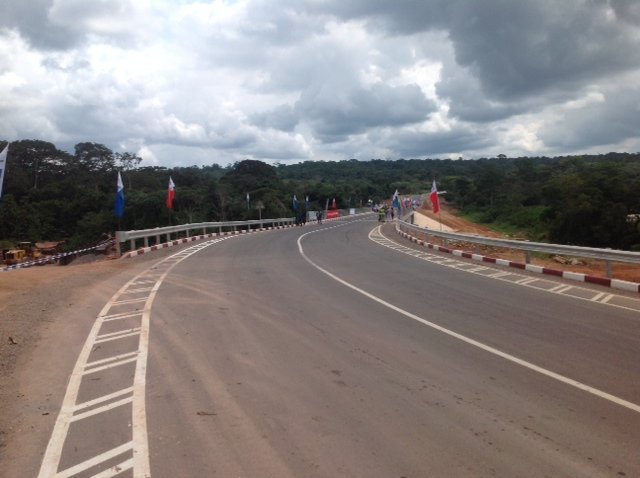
x=561, y=378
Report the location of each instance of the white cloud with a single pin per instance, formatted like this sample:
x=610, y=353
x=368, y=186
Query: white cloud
x=195, y=82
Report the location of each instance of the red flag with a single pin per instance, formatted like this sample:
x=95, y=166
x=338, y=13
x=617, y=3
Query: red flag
x=171, y=193
x=435, y=201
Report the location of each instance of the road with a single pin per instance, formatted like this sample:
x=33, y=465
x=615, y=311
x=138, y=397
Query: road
x=327, y=351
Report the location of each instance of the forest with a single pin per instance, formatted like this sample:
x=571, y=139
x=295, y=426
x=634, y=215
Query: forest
x=49, y=194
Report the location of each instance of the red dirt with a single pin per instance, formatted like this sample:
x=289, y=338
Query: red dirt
x=451, y=217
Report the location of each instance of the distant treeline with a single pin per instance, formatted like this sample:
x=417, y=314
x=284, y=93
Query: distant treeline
x=50, y=194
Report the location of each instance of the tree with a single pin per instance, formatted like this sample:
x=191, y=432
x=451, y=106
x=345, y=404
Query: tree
x=94, y=157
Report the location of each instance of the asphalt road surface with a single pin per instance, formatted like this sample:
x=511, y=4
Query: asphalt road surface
x=327, y=351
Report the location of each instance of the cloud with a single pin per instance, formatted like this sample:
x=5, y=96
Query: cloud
x=212, y=80
x=64, y=24
x=334, y=115
x=604, y=117
x=283, y=118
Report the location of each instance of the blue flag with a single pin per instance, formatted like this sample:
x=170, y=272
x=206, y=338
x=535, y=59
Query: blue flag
x=119, y=208
x=396, y=200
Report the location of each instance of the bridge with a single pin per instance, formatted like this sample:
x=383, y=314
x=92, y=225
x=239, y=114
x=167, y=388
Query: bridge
x=340, y=349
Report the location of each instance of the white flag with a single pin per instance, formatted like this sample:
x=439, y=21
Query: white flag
x=3, y=166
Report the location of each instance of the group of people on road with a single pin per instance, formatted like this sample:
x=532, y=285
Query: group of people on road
x=385, y=212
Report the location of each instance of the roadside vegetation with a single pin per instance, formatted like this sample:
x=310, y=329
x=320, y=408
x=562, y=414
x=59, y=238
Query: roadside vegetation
x=50, y=194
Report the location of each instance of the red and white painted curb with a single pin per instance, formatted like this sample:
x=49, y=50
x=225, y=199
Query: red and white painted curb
x=144, y=250
x=177, y=242
x=576, y=276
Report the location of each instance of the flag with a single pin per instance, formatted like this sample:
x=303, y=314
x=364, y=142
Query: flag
x=333, y=205
x=295, y=203
x=396, y=200
x=435, y=201
x=248, y=201
x=3, y=165
x=119, y=208
x=171, y=193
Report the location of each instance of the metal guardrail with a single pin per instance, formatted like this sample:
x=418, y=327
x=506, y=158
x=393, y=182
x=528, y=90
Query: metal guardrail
x=158, y=232
x=607, y=255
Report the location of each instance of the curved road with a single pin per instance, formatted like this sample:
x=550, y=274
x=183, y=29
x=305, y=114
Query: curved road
x=343, y=350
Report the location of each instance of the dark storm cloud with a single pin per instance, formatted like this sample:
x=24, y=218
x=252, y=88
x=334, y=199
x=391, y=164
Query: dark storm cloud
x=282, y=118
x=516, y=49
x=413, y=144
x=32, y=22
x=50, y=25
x=613, y=119
x=335, y=114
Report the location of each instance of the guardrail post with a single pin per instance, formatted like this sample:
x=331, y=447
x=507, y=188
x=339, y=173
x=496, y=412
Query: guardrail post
x=527, y=257
x=609, y=269
x=204, y=231
x=132, y=244
x=146, y=241
x=158, y=241
x=220, y=231
x=168, y=237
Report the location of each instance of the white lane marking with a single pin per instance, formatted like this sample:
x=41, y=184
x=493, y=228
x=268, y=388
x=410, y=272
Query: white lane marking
x=526, y=280
x=104, y=398
x=478, y=269
x=115, y=358
x=134, y=291
x=572, y=291
x=102, y=409
x=116, y=337
x=120, y=315
x=497, y=275
x=606, y=299
x=139, y=442
x=119, y=332
x=470, y=341
x=96, y=460
x=110, y=365
x=130, y=301
x=116, y=469
x=560, y=288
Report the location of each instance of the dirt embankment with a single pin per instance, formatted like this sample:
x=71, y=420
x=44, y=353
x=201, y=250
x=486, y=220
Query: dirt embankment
x=451, y=218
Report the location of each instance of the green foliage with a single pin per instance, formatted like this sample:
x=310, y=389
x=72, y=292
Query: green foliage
x=51, y=194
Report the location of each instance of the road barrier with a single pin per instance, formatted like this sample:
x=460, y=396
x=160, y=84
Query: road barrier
x=57, y=257
x=156, y=234
x=608, y=256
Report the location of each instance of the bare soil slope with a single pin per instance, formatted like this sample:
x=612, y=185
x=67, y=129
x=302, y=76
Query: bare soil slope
x=450, y=217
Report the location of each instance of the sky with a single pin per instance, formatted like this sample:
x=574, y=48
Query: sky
x=183, y=83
